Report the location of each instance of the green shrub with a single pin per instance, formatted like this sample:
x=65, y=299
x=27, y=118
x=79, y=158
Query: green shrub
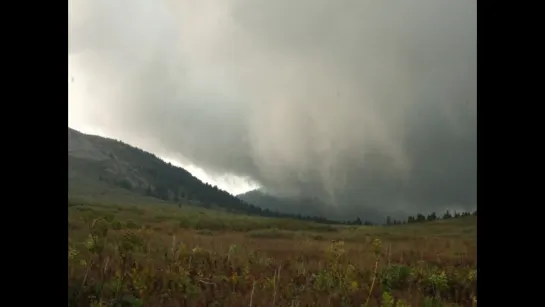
x=132, y=225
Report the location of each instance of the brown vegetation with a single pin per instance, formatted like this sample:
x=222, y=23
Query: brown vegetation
x=143, y=256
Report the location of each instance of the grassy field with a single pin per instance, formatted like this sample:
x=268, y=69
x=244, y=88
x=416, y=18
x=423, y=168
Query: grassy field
x=162, y=255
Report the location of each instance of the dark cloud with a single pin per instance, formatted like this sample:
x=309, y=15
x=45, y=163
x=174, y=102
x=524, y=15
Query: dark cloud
x=363, y=103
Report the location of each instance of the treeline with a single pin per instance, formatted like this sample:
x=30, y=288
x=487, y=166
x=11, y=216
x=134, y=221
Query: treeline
x=358, y=221
x=420, y=218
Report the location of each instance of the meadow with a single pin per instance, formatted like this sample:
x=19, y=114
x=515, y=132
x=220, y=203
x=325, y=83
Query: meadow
x=162, y=255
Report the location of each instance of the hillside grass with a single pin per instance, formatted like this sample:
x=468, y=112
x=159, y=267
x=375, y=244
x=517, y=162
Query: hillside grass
x=162, y=255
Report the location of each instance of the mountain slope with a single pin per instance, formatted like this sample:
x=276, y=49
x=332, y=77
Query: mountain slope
x=106, y=170
x=288, y=205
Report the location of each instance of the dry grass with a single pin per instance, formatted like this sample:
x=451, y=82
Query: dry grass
x=164, y=256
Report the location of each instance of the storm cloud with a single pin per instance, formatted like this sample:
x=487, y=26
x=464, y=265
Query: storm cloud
x=361, y=103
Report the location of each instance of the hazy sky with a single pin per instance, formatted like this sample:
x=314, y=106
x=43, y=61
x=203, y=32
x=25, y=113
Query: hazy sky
x=364, y=103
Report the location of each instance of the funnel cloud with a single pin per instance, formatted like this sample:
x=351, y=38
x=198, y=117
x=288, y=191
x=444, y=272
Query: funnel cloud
x=363, y=104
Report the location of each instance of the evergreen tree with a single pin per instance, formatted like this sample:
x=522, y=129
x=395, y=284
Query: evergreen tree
x=357, y=221
x=149, y=191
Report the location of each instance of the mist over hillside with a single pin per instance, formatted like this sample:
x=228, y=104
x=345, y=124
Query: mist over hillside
x=316, y=207
x=365, y=105
x=106, y=170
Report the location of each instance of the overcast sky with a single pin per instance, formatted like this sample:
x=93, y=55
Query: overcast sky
x=365, y=102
